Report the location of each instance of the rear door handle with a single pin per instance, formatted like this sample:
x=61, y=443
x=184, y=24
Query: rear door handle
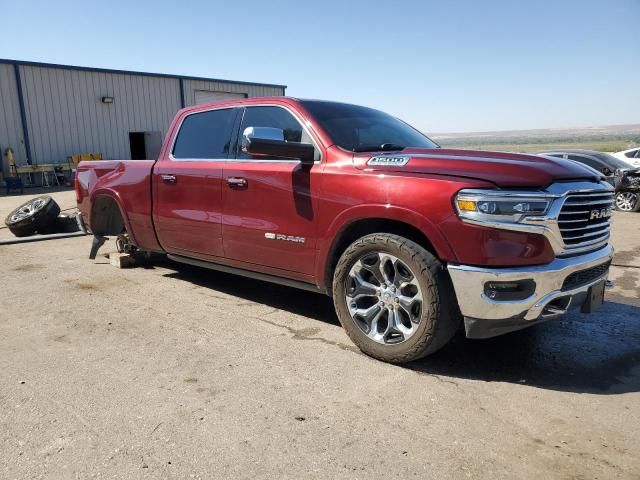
x=237, y=182
x=168, y=178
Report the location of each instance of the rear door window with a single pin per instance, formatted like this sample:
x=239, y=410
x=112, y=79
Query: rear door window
x=205, y=135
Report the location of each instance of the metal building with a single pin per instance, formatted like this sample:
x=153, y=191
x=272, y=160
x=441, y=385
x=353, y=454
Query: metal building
x=49, y=112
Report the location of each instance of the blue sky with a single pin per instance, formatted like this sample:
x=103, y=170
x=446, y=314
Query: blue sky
x=457, y=65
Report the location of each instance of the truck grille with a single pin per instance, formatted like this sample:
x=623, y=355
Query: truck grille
x=583, y=277
x=585, y=220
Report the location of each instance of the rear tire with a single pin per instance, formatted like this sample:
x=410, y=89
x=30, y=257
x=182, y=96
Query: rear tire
x=35, y=216
x=394, y=298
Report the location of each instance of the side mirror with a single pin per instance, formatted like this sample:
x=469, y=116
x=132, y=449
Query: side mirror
x=606, y=171
x=270, y=141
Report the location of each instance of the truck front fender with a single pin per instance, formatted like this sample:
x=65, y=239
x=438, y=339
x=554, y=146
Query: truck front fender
x=387, y=218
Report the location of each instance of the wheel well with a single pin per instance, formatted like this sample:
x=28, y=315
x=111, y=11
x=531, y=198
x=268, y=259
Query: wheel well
x=360, y=228
x=106, y=218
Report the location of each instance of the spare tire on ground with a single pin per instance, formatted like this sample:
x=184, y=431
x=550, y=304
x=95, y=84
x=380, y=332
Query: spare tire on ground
x=35, y=216
x=63, y=224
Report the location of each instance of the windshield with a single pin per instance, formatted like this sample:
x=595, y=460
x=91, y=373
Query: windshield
x=362, y=129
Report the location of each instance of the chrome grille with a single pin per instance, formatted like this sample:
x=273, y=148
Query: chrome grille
x=579, y=227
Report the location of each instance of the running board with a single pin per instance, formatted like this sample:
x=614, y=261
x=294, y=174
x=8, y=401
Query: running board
x=265, y=277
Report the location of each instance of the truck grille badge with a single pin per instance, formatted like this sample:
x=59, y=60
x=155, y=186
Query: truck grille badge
x=286, y=238
x=600, y=213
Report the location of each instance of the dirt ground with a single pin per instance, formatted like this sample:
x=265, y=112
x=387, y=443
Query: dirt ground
x=171, y=371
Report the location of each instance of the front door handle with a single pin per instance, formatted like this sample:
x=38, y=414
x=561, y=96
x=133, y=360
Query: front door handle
x=237, y=182
x=168, y=178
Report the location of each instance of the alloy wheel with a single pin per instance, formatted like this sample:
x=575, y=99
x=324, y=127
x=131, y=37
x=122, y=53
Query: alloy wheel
x=384, y=298
x=626, y=201
x=28, y=209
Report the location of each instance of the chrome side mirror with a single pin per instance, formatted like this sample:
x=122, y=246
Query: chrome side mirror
x=260, y=133
x=270, y=141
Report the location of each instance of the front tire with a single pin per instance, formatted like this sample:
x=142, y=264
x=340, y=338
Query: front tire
x=394, y=298
x=628, y=201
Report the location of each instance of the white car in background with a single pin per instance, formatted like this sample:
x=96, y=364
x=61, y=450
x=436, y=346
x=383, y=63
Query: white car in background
x=631, y=156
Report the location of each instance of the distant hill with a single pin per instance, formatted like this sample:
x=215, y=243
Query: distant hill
x=610, y=138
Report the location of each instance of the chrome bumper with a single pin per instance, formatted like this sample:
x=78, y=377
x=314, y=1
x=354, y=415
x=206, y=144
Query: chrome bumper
x=548, y=300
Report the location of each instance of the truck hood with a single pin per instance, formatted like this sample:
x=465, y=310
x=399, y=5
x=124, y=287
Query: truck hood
x=500, y=168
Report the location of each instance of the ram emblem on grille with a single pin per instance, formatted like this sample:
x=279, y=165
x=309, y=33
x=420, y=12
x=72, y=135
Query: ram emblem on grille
x=600, y=213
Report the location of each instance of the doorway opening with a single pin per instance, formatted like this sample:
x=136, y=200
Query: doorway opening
x=137, y=146
x=145, y=145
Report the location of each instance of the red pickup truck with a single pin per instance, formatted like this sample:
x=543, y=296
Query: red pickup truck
x=409, y=239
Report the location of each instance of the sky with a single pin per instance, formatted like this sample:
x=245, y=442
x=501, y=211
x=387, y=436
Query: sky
x=443, y=66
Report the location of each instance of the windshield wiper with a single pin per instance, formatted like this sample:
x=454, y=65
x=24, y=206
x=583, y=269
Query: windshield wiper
x=385, y=147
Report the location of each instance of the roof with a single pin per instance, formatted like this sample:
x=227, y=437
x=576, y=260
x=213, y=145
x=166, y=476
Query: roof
x=131, y=72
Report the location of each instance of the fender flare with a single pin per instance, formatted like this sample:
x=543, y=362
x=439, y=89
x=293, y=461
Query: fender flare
x=378, y=211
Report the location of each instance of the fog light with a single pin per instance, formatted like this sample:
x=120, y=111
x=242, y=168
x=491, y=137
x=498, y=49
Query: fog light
x=505, y=291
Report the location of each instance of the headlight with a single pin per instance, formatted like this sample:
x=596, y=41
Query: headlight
x=500, y=206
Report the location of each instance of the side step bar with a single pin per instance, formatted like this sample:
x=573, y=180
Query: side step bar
x=287, y=282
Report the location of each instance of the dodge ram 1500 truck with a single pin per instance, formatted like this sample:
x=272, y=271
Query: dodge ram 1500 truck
x=409, y=239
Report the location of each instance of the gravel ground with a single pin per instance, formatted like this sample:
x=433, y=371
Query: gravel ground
x=171, y=371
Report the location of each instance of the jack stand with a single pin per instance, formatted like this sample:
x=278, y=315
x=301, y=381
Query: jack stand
x=98, y=241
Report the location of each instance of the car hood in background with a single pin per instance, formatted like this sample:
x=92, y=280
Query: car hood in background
x=501, y=168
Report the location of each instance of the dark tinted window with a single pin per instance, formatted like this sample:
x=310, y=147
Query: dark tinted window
x=274, y=117
x=364, y=129
x=588, y=161
x=205, y=135
x=612, y=162
x=633, y=154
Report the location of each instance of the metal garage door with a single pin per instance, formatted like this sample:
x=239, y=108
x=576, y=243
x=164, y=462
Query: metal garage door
x=209, y=96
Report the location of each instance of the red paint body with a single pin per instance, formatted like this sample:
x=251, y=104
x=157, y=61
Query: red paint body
x=200, y=216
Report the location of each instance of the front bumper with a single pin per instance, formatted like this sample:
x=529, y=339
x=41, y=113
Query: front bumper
x=485, y=317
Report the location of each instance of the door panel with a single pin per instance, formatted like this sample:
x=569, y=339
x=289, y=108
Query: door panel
x=271, y=222
x=188, y=185
x=188, y=212
x=270, y=204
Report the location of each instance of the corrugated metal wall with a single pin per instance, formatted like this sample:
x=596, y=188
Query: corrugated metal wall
x=65, y=114
x=10, y=122
x=190, y=86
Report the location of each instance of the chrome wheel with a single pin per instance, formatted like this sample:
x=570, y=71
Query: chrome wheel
x=384, y=298
x=626, y=201
x=28, y=209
